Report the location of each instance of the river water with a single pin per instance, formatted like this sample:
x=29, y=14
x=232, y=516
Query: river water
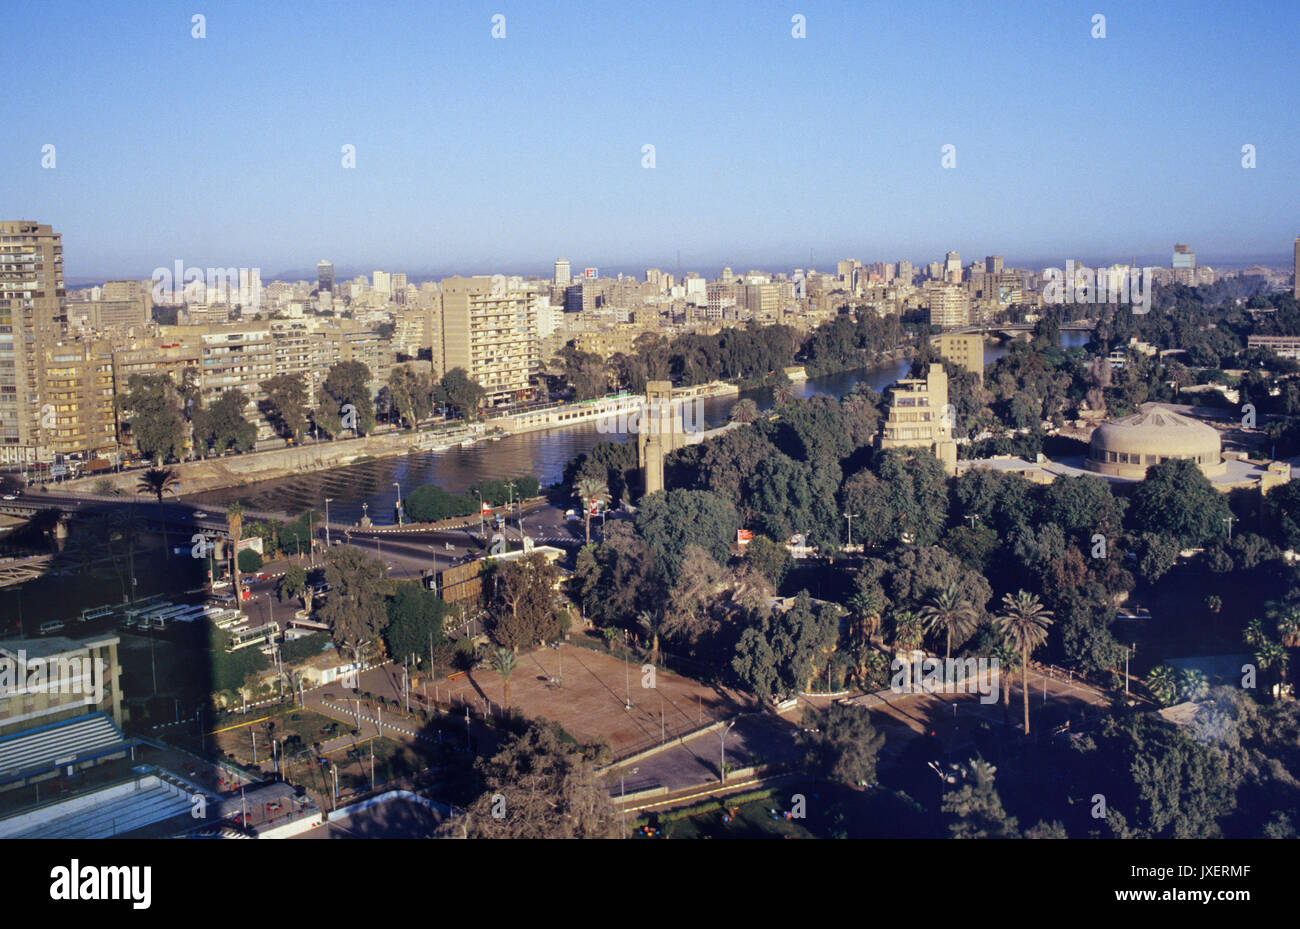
x=543, y=454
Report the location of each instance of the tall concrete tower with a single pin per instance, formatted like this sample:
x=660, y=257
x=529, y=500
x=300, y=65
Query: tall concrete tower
x=658, y=433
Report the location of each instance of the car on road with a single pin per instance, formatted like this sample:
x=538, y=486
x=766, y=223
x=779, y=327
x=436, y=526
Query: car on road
x=200, y=515
x=10, y=497
x=572, y=515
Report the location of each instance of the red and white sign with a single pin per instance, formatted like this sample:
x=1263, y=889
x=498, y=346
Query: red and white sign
x=485, y=508
x=590, y=274
x=595, y=509
x=744, y=536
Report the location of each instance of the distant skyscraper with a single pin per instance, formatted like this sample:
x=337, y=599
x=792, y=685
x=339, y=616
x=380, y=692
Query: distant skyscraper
x=325, y=276
x=952, y=268
x=563, y=276
x=1184, y=263
x=906, y=272
x=993, y=264
x=383, y=282
x=1295, y=269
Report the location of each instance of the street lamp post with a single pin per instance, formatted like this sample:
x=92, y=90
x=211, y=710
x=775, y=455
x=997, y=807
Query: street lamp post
x=399, y=503
x=1229, y=520
x=722, y=764
x=328, y=500
x=849, y=517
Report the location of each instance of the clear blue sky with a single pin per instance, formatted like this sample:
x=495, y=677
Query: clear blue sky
x=477, y=154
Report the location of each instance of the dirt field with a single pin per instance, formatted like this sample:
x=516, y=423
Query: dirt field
x=588, y=697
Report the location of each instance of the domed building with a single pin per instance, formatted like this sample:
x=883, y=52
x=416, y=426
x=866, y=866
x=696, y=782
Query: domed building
x=1127, y=447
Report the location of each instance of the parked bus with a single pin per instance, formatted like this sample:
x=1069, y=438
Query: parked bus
x=225, y=618
x=98, y=612
x=258, y=635
x=51, y=627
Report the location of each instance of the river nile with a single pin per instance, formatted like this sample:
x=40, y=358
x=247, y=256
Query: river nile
x=541, y=453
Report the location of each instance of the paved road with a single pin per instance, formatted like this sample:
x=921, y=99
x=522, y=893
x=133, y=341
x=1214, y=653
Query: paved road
x=754, y=738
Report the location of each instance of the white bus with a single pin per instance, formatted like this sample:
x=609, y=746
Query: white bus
x=225, y=618
x=159, y=619
x=258, y=635
x=98, y=612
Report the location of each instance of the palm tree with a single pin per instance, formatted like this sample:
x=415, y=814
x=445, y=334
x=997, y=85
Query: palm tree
x=866, y=607
x=1288, y=626
x=1271, y=655
x=590, y=490
x=1024, y=624
x=909, y=631
x=235, y=526
x=505, y=662
x=158, y=481
x=948, y=613
x=1253, y=634
x=1163, y=684
x=1192, y=685
x=1008, y=659
x=651, y=621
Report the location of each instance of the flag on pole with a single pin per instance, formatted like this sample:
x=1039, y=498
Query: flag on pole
x=595, y=509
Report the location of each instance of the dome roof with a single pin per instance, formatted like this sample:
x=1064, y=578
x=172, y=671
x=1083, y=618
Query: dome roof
x=1156, y=431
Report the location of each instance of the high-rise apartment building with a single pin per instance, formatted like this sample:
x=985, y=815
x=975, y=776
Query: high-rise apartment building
x=383, y=283
x=993, y=264
x=122, y=305
x=906, y=272
x=77, y=389
x=33, y=316
x=563, y=275
x=949, y=304
x=920, y=417
x=325, y=277
x=964, y=350
x=493, y=336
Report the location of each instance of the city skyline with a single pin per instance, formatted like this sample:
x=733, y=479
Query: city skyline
x=477, y=154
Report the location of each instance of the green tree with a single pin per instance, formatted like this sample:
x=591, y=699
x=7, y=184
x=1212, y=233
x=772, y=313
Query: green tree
x=356, y=608
x=249, y=561
x=1162, y=681
x=222, y=425
x=841, y=745
x=1023, y=622
x=975, y=807
x=772, y=559
x=463, y=393
x=412, y=393
x=504, y=663
x=415, y=621
x=153, y=409
x=523, y=609
x=345, y=401
x=293, y=584
x=1175, y=499
x=286, y=404
x=948, y=614
x=744, y=410
x=546, y=787
x=591, y=491
x=777, y=656
x=158, y=481
x=671, y=520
